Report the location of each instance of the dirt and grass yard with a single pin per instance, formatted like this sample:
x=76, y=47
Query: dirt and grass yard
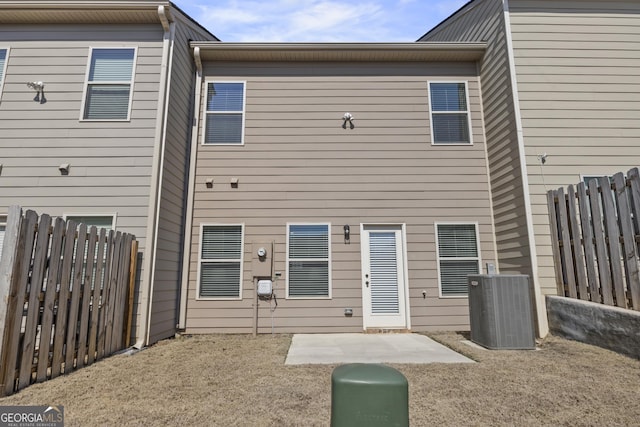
x=237, y=380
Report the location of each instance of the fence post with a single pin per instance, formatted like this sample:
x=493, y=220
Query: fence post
x=7, y=262
x=133, y=266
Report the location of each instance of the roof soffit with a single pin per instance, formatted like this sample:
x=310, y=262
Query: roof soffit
x=81, y=12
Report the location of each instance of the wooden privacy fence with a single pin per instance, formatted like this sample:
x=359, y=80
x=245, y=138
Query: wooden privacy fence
x=66, y=296
x=595, y=232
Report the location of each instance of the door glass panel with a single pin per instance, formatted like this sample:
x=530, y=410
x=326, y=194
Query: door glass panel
x=384, y=273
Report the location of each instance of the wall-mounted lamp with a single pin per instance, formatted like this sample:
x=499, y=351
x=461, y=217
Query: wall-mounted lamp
x=234, y=182
x=347, y=233
x=39, y=88
x=0, y=168
x=347, y=118
x=209, y=182
x=542, y=158
x=64, y=168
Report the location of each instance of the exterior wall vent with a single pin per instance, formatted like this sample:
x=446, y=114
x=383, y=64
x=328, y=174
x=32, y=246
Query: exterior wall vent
x=500, y=311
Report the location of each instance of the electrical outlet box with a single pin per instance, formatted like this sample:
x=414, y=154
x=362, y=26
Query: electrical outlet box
x=265, y=288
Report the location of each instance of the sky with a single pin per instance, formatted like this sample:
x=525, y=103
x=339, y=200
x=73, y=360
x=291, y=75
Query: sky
x=319, y=20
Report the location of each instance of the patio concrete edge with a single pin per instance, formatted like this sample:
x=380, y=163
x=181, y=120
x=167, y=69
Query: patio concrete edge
x=608, y=327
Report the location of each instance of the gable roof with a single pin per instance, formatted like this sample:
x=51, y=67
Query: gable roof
x=447, y=18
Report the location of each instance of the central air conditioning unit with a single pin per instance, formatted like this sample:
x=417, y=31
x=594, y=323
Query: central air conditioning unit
x=500, y=312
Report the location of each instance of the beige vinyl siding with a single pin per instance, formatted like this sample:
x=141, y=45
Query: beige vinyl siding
x=577, y=66
x=110, y=162
x=166, y=289
x=483, y=20
x=298, y=165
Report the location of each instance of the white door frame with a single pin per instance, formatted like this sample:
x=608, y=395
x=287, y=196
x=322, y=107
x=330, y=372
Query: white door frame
x=403, y=321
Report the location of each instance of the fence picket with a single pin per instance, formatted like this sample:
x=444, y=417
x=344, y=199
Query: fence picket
x=552, y=205
x=600, y=241
x=634, y=182
x=49, y=300
x=566, y=246
x=613, y=240
x=85, y=297
x=63, y=300
x=17, y=291
x=102, y=330
x=33, y=304
x=123, y=280
x=97, y=290
x=576, y=239
x=587, y=239
x=110, y=344
x=76, y=289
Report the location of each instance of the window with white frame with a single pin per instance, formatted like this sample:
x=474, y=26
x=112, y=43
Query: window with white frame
x=308, y=267
x=449, y=107
x=458, y=256
x=3, y=66
x=109, y=84
x=99, y=221
x=220, y=261
x=224, y=122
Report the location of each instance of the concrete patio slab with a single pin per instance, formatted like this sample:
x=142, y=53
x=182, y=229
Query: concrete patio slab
x=369, y=348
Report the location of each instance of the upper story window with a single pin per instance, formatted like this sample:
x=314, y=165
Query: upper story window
x=225, y=113
x=458, y=256
x=4, y=53
x=109, y=84
x=308, y=265
x=449, y=107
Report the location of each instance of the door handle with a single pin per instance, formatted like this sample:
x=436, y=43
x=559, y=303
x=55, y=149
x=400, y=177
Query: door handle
x=366, y=276
x=367, y=283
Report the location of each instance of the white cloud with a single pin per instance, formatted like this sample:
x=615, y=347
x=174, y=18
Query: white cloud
x=319, y=20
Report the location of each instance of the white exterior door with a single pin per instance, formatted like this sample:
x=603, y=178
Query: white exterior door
x=384, y=285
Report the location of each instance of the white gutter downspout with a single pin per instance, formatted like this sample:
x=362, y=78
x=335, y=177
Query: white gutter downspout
x=186, y=261
x=541, y=308
x=149, y=263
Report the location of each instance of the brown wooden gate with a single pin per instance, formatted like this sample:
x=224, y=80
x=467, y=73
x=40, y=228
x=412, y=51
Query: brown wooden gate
x=66, y=294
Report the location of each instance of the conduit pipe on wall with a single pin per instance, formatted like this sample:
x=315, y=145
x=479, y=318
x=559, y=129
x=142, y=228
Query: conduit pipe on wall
x=186, y=262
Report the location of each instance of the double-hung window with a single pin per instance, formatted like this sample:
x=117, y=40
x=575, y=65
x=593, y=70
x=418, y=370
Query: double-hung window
x=449, y=108
x=220, y=261
x=4, y=53
x=308, y=261
x=458, y=256
x=109, y=84
x=225, y=113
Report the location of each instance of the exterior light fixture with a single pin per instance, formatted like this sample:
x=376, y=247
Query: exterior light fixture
x=39, y=88
x=347, y=233
x=64, y=168
x=209, y=182
x=347, y=118
x=542, y=158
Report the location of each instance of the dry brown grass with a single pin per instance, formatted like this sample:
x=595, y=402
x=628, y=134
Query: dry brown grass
x=231, y=380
